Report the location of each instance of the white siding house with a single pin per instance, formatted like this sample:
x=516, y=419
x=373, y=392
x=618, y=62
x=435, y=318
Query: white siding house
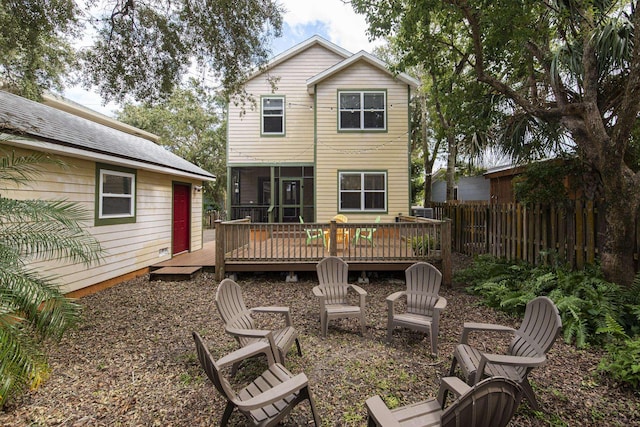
x=327, y=134
x=145, y=202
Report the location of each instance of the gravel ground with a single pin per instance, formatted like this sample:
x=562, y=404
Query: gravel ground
x=131, y=361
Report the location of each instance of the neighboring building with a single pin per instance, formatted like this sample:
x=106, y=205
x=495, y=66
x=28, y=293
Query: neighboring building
x=467, y=189
x=146, y=201
x=328, y=134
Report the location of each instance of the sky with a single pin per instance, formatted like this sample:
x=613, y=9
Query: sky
x=331, y=19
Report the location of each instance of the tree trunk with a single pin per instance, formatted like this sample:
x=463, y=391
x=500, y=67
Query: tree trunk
x=451, y=167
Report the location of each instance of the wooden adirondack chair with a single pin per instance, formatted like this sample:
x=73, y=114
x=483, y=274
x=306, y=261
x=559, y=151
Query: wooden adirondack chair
x=266, y=400
x=240, y=324
x=332, y=293
x=490, y=403
x=537, y=333
x=423, y=304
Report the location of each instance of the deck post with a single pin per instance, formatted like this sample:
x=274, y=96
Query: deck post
x=445, y=252
x=220, y=239
x=333, y=234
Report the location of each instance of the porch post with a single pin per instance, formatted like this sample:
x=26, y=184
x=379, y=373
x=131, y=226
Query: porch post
x=333, y=247
x=220, y=238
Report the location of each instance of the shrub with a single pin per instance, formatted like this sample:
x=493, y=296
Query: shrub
x=622, y=362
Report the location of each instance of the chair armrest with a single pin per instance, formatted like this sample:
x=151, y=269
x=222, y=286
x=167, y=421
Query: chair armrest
x=247, y=352
x=391, y=302
x=502, y=359
x=362, y=293
x=380, y=413
x=489, y=327
x=358, y=289
x=317, y=292
x=395, y=296
x=441, y=304
x=454, y=385
x=276, y=310
x=275, y=393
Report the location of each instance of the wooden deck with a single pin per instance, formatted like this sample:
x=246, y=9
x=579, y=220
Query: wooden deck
x=252, y=247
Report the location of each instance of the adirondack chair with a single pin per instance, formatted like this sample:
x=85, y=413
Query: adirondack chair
x=313, y=233
x=266, y=400
x=537, y=333
x=365, y=234
x=423, y=304
x=241, y=325
x=490, y=403
x=332, y=293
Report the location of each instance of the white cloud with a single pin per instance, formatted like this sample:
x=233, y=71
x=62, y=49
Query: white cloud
x=342, y=25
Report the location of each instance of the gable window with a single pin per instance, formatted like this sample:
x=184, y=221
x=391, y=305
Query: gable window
x=115, y=194
x=363, y=191
x=273, y=115
x=362, y=110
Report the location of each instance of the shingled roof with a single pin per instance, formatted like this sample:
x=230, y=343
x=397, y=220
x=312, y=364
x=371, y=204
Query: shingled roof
x=32, y=120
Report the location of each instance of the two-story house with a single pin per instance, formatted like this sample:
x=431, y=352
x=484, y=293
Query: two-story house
x=326, y=132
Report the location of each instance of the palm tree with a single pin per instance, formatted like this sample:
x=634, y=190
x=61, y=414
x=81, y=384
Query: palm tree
x=32, y=307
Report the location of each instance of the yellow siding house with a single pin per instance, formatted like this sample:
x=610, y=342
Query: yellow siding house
x=325, y=132
x=146, y=202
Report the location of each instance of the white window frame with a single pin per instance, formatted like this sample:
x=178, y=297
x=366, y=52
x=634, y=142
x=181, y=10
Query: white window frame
x=262, y=115
x=131, y=197
x=363, y=192
x=362, y=110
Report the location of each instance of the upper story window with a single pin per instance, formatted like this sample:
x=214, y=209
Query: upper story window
x=362, y=110
x=273, y=115
x=116, y=195
x=363, y=191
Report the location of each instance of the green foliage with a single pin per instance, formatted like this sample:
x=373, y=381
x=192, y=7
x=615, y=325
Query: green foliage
x=421, y=245
x=141, y=49
x=542, y=182
x=587, y=303
x=622, y=362
x=191, y=124
x=32, y=308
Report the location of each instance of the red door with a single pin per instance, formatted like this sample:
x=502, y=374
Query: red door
x=181, y=217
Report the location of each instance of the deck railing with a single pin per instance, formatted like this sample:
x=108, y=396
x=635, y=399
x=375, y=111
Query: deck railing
x=409, y=239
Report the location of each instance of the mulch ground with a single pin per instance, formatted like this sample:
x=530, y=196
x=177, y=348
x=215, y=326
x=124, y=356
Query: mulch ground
x=131, y=361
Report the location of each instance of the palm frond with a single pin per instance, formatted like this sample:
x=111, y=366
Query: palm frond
x=22, y=169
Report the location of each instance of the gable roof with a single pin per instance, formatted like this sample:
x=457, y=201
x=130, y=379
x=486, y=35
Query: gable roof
x=310, y=42
x=360, y=56
x=45, y=128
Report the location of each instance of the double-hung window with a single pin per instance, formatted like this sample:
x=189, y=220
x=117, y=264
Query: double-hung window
x=362, y=110
x=116, y=195
x=363, y=191
x=272, y=115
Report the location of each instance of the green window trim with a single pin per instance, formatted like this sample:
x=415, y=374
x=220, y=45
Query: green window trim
x=362, y=191
x=110, y=179
x=362, y=110
x=273, y=115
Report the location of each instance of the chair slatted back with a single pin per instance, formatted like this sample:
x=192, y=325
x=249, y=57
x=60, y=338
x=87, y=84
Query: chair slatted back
x=232, y=308
x=211, y=369
x=423, y=284
x=333, y=275
x=539, y=329
x=490, y=403
x=229, y=300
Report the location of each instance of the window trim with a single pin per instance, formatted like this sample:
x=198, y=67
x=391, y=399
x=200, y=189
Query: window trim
x=284, y=115
x=362, y=93
x=100, y=218
x=362, y=191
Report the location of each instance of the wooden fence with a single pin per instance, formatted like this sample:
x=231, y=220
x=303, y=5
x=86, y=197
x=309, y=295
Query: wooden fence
x=531, y=233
